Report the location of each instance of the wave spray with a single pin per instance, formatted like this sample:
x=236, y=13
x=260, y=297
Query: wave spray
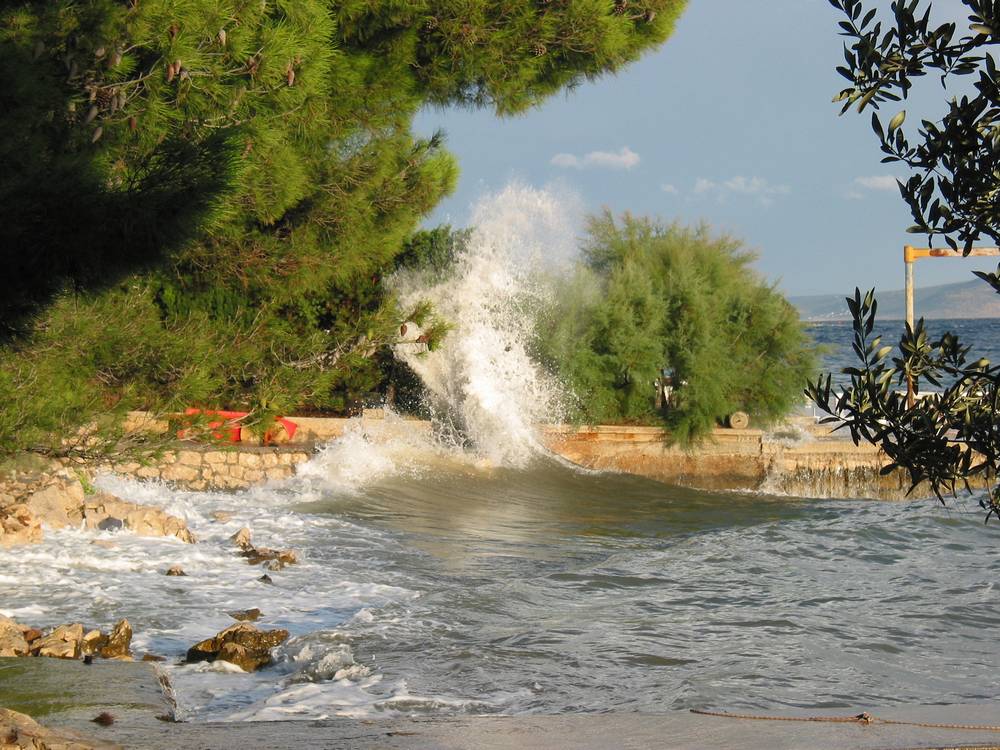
x=484, y=389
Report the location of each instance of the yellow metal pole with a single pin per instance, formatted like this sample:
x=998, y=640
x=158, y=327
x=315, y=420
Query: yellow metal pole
x=910, y=256
x=908, y=260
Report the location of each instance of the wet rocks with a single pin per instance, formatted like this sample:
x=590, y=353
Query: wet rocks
x=93, y=642
x=273, y=559
x=242, y=539
x=18, y=525
x=221, y=516
x=107, y=512
x=20, y=732
x=175, y=570
x=12, y=638
x=58, y=504
x=246, y=615
x=241, y=644
x=65, y=642
x=53, y=496
x=119, y=642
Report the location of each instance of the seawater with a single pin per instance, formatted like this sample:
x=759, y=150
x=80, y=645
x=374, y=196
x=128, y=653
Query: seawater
x=982, y=334
x=441, y=585
x=469, y=572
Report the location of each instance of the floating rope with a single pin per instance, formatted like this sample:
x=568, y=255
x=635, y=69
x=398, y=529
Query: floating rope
x=864, y=718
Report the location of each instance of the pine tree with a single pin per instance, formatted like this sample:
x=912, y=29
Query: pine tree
x=253, y=162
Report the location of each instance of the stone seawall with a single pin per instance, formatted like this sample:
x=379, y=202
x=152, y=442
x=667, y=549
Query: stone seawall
x=804, y=462
x=194, y=466
x=808, y=465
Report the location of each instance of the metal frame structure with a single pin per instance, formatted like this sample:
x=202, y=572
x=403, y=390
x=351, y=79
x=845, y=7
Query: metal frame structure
x=910, y=256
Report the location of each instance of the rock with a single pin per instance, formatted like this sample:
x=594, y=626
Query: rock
x=242, y=539
x=20, y=732
x=31, y=634
x=281, y=558
x=110, y=524
x=244, y=658
x=65, y=642
x=175, y=570
x=241, y=644
x=265, y=579
x=221, y=516
x=246, y=615
x=18, y=525
x=106, y=543
x=119, y=641
x=105, y=511
x=153, y=657
x=59, y=504
x=93, y=642
x=12, y=638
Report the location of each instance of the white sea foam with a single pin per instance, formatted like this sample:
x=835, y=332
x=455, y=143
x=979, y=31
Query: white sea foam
x=484, y=388
x=487, y=394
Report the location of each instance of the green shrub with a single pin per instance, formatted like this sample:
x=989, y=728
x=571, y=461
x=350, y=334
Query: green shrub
x=651, y=297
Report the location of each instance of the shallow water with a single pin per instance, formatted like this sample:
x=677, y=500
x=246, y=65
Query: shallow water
x=431, y=583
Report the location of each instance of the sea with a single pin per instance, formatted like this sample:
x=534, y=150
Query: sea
x=469, y=572
x=836, y=337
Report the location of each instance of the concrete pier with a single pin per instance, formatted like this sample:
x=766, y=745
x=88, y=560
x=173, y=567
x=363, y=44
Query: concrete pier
x=800, y=459
x=67, y=695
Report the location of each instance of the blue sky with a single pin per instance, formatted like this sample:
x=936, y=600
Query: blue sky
x=730, y=122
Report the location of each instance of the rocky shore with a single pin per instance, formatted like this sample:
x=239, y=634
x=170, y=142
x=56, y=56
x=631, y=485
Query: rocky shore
x=56, y=497
x=46, y=496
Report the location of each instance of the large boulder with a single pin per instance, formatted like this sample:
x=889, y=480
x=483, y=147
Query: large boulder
x=65, y=642
x=104, y=511
x=93, y=642
x=18, y=525
x=58, y=504
x=119, y=642
x=12, y=638
x=241, y=644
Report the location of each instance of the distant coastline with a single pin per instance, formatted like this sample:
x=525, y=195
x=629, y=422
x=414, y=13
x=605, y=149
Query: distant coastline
x=968, y=300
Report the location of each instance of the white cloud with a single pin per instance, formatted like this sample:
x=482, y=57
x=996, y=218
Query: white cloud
x=669, y=189
x=701, y=185
x=879, y=182
x=625, y=158
x=755, y=187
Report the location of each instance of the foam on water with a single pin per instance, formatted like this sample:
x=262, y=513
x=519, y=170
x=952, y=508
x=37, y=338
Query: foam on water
x=69, y=578
x=483, y=386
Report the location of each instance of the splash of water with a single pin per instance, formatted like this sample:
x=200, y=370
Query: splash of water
x=484, y=388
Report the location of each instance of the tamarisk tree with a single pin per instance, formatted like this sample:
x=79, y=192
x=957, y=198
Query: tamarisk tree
x=951, y=436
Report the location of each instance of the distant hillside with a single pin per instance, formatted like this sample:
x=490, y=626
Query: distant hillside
x=967, y=299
